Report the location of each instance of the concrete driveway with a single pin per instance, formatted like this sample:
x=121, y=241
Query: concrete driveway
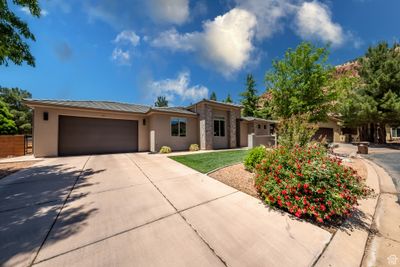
x=142, y=210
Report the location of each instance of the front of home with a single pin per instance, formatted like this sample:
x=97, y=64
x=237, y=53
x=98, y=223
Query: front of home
x=63, y=128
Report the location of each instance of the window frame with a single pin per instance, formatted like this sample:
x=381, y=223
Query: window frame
x=179, y=120
x=219, y=133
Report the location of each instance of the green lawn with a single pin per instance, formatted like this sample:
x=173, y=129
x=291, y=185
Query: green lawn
x=206, y=162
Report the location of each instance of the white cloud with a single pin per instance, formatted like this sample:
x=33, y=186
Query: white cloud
x=179, y=87
x=175, y=41
x=121, y=57
x=269, y=14
x=125, y=42
x=43, y=12
x=169, y=11
x=314, y=20
x=225, y=42
x=127, y=36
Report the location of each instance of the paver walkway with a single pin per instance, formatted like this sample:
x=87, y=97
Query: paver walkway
x=142, y=210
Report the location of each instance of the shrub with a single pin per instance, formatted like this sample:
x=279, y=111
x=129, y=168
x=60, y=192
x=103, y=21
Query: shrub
x=306, y=181
x=254, y=157
x=296, y=131
x=194, y=147
x=165, y=149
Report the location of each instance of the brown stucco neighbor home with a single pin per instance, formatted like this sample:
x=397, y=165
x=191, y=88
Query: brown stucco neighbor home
x=65, y=127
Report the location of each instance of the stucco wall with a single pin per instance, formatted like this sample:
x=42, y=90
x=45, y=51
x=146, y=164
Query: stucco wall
x=261, y=130
x=45, y=133
x=160, y=128
x=243, y=133
x=336, y=129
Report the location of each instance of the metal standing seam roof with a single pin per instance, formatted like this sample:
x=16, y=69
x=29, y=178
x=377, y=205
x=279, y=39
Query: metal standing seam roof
x=108, y=105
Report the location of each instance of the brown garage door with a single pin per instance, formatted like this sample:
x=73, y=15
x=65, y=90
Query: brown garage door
x=80, y=136
x=324, y=134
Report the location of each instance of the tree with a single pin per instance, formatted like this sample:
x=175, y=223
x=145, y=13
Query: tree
x=228, y=99
x=299, y=83
x=375, y=103
x=213, y=96
x=7, y=125
x=22, y=114
x=161, y=102
x=13, y=31
x=249, y=98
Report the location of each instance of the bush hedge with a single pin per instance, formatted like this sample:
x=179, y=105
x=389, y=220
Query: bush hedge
x=306, y=181
x=254, y=157
x=165, y=149
x=194, y=147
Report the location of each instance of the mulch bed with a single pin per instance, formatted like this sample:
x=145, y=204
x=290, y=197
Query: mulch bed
x=9, y=168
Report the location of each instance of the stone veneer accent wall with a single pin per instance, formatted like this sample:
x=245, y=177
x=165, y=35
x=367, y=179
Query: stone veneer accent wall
x=206, y=126
x=233, y=116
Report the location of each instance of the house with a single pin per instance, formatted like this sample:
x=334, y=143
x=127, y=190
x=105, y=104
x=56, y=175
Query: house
x=64, y=127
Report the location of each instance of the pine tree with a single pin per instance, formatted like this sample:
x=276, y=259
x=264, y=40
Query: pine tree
x=228, y=99
x=213, y=96
x=161, y=102
x=249, y=98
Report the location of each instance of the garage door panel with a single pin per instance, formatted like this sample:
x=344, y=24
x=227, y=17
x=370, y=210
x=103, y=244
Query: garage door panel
x=80, y=135
x=323, y=134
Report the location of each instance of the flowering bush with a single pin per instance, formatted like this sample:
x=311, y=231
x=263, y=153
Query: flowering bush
x=307, y=182
x=254, y=157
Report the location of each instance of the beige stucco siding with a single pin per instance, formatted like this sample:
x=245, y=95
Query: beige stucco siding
x=259, y=128
x=160, y=130
x=243, y=134
x=45, y=135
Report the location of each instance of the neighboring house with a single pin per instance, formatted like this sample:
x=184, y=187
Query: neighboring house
x=63, y=127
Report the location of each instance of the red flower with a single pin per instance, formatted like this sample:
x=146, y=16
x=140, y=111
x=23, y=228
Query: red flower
x=306, y=186
x=320, y=219
x=284, y=192
x=271, y=198
x=297, y=197
x=298, y=213
x=322, y=207
x=280, y=203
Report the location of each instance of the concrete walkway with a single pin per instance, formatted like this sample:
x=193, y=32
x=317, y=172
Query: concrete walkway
x=142, y=210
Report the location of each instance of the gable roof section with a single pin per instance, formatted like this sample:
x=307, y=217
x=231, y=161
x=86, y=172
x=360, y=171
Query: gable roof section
x=107, y=105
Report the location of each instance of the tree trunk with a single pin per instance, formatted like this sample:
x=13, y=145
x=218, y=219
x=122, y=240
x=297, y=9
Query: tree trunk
x=381, y=134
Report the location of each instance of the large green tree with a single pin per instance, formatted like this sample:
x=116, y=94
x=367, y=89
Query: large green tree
x=250, y=98
x=161, y=102
x=14, y=33
x=299, y=83
x=7, y=124
x=21, y=114
x=375, y=102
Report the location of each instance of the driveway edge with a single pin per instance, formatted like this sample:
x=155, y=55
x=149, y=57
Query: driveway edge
x=351, y=244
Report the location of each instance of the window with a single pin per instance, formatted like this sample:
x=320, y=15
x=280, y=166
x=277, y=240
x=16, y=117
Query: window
x=45, y=116
x=396, y=132
x=272, y=129
x=178, y=127
x=219, y=126
x=265, y=127
x=259, y=126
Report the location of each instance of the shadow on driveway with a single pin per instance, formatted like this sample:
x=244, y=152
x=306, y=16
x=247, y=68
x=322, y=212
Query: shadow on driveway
x=30, y=202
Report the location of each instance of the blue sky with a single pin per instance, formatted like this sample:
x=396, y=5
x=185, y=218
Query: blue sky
x=132, y=51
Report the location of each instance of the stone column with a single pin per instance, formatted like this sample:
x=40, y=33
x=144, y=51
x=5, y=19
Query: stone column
x=206, y=127
x=233, y=115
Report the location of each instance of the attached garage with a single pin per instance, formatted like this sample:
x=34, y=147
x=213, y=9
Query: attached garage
x=324, y=134
x=83, y=135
